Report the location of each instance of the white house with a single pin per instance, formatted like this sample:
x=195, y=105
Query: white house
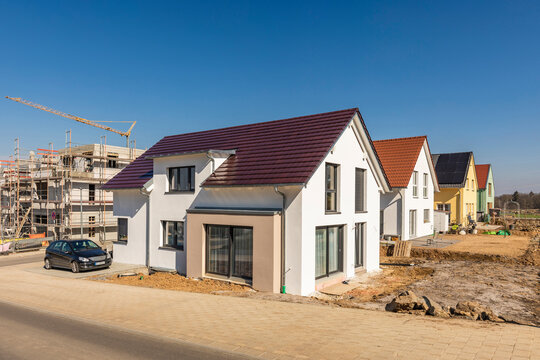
x=289, y=205
x=407, y=211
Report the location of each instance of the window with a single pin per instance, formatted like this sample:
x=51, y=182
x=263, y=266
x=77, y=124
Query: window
x=229, y=251
x=360, y=235
x=41, y=219
x=360, y=190
x=443, y=207
x=173, y=234
x=41, y=189
x=425, y=188
x=91, y=229
x=66, y=160
x=426, y=215
x=182, y=178
x=65, y=248
x=328, y=250
x=122, y=229
x=412, y=223
x=415, y=184
x=91, y=192
x=489, y=189
x=472, y=184
x=112, y=160
x=331, y=188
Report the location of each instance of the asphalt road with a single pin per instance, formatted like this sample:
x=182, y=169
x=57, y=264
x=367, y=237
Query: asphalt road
x=9, y=260
x=31, y=334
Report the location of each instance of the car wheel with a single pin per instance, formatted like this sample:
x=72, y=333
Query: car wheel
x=74, y=267
x=48, y=264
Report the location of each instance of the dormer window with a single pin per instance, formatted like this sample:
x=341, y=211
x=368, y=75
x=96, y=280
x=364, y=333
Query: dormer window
x=182, y=178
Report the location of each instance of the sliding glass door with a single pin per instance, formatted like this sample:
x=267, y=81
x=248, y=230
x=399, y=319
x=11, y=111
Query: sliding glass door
x=328, y=250
x=229, y=251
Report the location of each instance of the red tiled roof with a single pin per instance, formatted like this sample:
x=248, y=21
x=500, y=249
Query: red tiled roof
x=482, y=172
x=398, y=158
x=276, y=152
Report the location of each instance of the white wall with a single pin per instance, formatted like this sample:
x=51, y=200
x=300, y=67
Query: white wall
x=419, y=203
x=171, y=206
x=391, y=207
x=348, y=153
x=131, y=204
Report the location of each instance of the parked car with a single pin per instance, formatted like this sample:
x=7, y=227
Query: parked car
x=77, y=255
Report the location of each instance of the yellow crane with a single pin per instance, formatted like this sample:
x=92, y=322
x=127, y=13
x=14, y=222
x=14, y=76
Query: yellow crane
x=79, y=119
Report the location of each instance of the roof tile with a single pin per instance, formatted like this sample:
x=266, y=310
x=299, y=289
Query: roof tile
x=276, y=152
x=398, y=158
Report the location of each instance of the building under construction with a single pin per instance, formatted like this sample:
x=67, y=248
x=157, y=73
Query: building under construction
x=58, y=192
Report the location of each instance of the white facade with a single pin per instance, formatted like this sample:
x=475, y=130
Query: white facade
x=304, y=211
x=395, y=221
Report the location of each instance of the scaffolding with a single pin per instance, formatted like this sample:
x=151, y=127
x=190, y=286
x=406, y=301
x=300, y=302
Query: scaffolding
x=58, y=192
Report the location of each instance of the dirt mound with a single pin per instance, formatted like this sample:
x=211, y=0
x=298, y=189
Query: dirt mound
x=530, y=257
x=439, y=254
x=178, y=282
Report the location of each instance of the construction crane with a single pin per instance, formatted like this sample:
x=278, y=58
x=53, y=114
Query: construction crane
x=79, y=119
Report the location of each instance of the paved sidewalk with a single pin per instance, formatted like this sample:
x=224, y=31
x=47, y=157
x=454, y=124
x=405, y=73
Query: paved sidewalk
x=268, y=329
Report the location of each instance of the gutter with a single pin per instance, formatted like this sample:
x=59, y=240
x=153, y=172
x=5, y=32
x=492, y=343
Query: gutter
x=283, y=288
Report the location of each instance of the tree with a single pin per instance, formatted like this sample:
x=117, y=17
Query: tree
x=515, y=196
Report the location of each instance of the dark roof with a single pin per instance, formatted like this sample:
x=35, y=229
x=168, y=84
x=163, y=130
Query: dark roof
x=276, y=152
x=398, y=157
x=452, y=168
x=482, y=172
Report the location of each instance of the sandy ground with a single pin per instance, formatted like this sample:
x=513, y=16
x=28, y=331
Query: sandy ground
x=512, y=245
x=510, y=290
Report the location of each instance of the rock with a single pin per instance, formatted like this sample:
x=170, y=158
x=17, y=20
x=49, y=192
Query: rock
x=469, y=309
x=476, y=311
x=406, y=301
x=435, y=309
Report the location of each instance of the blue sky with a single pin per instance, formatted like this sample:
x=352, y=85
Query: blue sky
x=467, y=74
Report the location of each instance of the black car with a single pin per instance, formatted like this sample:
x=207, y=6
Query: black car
x=77, y=255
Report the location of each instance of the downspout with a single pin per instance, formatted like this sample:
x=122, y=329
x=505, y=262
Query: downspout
x=402, y=196
x=212, y=160
x=146, y=193
x=283, y=289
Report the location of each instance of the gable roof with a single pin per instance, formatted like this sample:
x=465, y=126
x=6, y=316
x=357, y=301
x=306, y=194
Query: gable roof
x=270, y=153
x=452, y=168
x=482, y=172
x=398, y=157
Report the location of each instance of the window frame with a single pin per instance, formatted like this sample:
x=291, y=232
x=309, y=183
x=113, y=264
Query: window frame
x=91, y=229
x=118, y=220
x=165, y=230
x=335, y=191
x=415, y=184
x=363, y=201
x=91, y=192
x=231, y=248
x=340, y=250
x=425, y=186
x=360, y=244
x=426, y=218
x=413, y=220
x=191, y=179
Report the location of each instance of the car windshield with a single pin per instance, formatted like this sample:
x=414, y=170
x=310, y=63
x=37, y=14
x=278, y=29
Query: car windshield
x=83, y=245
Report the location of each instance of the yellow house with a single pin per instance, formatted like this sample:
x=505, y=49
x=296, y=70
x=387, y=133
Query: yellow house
x=458, y=184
